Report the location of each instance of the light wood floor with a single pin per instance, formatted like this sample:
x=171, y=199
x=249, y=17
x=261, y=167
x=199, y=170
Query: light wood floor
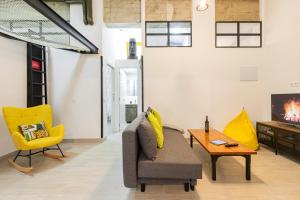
x=94, y=171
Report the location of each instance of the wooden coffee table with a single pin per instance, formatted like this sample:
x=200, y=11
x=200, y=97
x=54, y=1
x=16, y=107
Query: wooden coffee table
x=217, y=151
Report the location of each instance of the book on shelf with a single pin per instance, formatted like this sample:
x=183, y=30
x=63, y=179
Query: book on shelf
x=36, y=65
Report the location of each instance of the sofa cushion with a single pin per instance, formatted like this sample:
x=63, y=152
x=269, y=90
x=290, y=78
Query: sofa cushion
x=147, y=139
x=175, y=161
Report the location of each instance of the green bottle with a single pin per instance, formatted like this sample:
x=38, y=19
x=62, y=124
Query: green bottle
x=206, y=125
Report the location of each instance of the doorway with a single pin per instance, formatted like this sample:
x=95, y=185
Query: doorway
x=130, y=91
x=122, y=77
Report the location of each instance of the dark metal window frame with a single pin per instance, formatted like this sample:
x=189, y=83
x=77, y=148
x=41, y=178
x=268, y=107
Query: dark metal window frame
x=168, y=34
x=238, y=34
x=45, y=10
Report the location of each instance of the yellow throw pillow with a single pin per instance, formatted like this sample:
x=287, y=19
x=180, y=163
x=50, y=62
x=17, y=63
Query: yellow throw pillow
x=157, y=115
x=157, y=129
x=34, y=131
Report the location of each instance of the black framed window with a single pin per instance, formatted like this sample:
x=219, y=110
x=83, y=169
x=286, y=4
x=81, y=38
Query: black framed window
x=168, y=33
x=239, y=34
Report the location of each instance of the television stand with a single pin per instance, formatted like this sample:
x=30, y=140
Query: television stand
x=294, y=126
x=275, y=134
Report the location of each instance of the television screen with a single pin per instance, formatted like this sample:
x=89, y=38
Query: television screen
x=286, y=108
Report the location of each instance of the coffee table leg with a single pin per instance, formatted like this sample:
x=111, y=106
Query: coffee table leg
x=191, y=141
x=214, y=167
x=248, y=167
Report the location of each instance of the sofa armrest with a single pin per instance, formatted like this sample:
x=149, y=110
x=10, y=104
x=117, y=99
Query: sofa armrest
x=131, y=151
x=130, y=159
x=173, y=127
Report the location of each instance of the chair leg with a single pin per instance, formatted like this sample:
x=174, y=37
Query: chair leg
x=29, y=156
x=18, y=167
x=17, y=155
x=60, y=150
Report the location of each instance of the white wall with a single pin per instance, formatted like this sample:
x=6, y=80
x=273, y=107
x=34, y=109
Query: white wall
x=74, y=81
x=114, y=42
x=13, y=84
x=74, y=90
x=185, y=84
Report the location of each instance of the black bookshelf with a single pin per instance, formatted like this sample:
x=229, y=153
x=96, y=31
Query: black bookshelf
x=36, y=75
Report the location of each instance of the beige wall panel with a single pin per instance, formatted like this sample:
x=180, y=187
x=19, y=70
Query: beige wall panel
x=122, y=11
x=168, y=10
x=237, y=10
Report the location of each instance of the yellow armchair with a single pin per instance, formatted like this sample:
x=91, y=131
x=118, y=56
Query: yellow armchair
x=14, y=117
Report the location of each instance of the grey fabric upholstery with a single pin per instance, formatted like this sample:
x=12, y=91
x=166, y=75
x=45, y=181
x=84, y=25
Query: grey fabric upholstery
x=160, y=181
x=131, y=150
x=173, y=127
x=175, y=161
x=147, y=139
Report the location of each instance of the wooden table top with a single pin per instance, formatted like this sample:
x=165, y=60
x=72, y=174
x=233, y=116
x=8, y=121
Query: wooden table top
x=205, y=140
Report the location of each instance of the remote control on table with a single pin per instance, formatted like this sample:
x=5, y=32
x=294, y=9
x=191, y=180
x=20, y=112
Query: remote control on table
x=232, y=145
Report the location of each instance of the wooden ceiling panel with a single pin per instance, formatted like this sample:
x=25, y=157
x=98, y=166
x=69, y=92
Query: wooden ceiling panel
x=168, y=10
x=122, y=11
x=237, y=10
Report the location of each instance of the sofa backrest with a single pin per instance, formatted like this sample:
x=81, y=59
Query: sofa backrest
x=130, y=146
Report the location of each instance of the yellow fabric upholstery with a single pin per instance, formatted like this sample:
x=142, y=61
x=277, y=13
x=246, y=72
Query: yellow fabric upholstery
x=14, y=117
x=157, y=115
x=157, y=129
x=242, y=130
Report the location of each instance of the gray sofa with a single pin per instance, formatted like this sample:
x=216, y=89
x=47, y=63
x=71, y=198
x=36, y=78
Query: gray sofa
x=176, y=163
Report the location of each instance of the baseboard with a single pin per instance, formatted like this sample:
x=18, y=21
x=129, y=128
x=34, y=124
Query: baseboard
x=84, y=140
x=91, y=140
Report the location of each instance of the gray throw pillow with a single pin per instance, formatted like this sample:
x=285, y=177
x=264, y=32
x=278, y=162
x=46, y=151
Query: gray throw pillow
x=147, y=139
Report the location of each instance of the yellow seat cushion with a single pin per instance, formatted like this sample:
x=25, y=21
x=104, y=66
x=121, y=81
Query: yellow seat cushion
x=157, y=129
x=242, y=130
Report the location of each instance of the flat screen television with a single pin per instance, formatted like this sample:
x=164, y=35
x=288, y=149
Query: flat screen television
x=286, y=108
